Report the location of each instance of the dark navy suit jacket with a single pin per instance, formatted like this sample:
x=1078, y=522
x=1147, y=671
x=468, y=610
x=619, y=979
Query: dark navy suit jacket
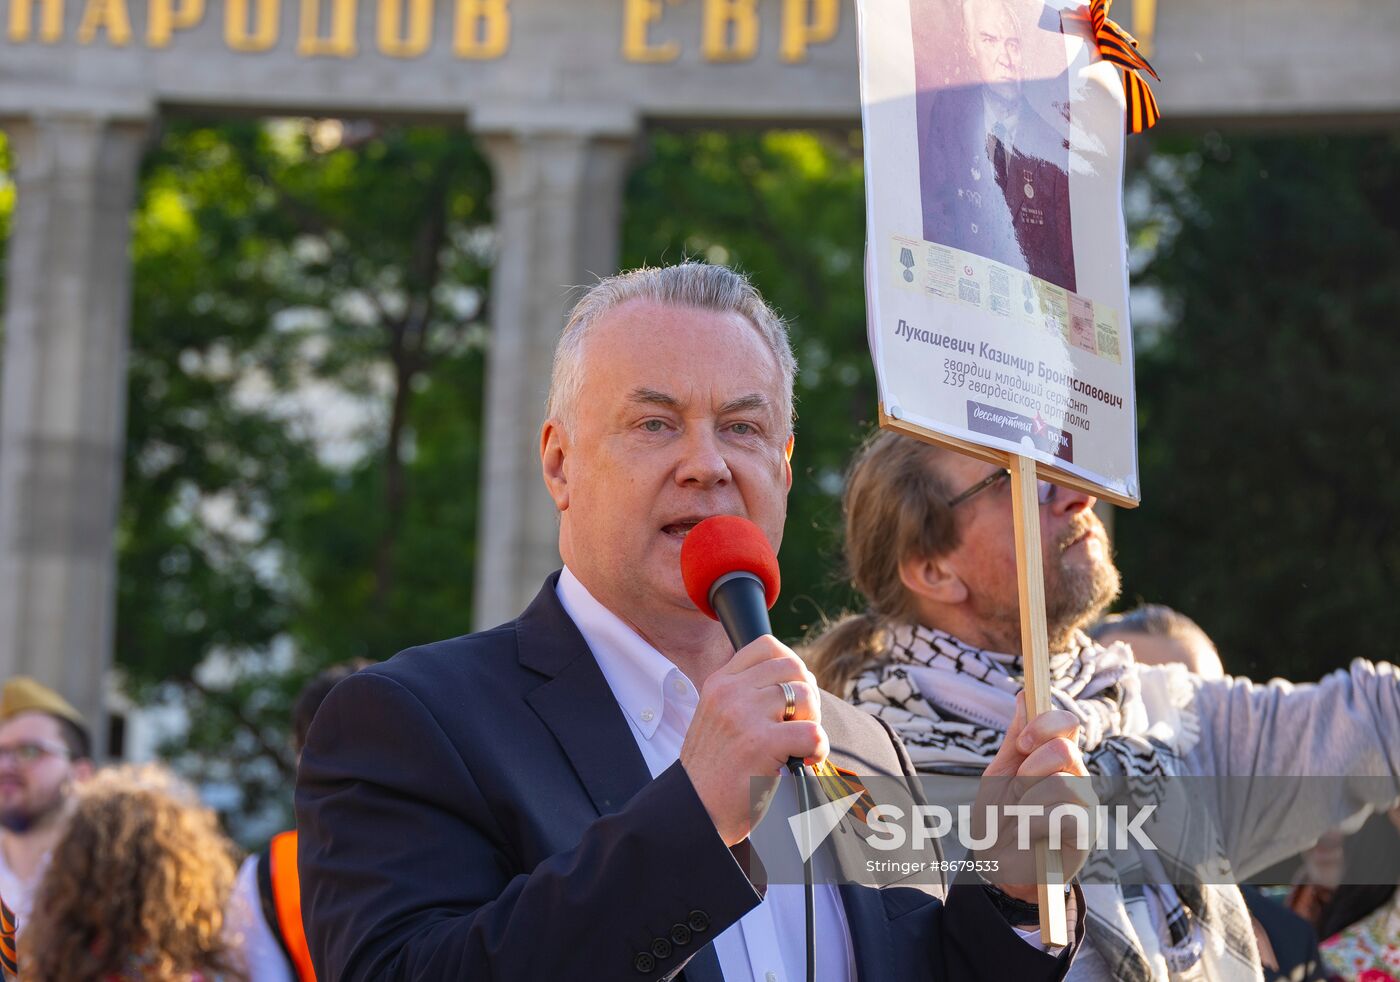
x=478, y=809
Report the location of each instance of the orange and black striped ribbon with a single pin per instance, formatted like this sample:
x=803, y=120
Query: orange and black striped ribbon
x=838, y=783
x=9, y=961
x=1121, y=48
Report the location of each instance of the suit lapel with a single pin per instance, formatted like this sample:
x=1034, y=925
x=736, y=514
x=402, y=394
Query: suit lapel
x=870, y=931
x=579, y=709
x=577, y=705
x=866, y=913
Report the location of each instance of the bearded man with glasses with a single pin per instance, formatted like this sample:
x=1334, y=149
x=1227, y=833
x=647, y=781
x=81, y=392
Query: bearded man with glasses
x=45, y=752
x=930, y=542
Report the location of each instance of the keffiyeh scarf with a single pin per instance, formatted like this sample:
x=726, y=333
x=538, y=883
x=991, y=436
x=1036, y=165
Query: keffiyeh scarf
x=951, y=704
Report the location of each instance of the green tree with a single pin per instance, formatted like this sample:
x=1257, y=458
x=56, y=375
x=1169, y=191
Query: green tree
x=1270, y=467
x=288, y=276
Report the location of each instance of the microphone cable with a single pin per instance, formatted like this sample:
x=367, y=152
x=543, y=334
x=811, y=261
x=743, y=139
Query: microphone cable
x=731, y=574
x=804, y=806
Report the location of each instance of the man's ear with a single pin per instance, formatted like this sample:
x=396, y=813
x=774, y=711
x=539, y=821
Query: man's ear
x=787, y=459
x=554, y=449
x=932, y=579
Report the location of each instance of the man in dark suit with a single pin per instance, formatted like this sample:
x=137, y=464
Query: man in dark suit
x=567, y=796
x=994, y=172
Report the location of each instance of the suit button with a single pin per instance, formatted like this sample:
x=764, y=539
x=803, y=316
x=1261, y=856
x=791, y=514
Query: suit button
x=680, y=934
x=644, y=962
x=661, y=948
x=698, y=920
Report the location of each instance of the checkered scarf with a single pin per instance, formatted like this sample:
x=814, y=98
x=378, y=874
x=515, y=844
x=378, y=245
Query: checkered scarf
x=951, y=704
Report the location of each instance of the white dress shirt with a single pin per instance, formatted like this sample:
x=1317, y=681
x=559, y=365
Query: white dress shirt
x=255, y=948
x=19, y=894
x=768, y=944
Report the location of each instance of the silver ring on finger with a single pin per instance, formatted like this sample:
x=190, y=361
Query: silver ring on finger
x=790, y=701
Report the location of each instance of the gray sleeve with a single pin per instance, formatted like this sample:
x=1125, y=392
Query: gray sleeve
x=1288, y=762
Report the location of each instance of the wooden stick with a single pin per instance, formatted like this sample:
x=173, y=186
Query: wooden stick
x=1035, y=657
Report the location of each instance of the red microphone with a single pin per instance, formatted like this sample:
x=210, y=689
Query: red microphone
x=731, y=574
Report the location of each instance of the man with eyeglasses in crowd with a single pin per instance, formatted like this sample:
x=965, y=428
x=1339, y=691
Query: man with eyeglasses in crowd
x=45, y=752
x=930, y=542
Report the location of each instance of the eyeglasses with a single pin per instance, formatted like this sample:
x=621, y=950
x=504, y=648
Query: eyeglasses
x=1044, y=490
x=25, y=754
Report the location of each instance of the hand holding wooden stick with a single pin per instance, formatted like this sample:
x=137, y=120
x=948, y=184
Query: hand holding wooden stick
x=1035, y=656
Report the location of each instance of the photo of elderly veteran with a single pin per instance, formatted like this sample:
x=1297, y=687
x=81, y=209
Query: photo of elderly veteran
x=935, y=654
x=994, y=169
x=567, y=796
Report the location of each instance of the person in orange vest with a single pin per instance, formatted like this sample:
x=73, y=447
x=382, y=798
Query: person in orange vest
x=268, y=888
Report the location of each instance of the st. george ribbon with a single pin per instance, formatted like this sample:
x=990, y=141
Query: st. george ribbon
x=731, y=574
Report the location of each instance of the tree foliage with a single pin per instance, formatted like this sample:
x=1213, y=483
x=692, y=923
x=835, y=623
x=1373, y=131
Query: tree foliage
x=289, y=278
x=1270, y=465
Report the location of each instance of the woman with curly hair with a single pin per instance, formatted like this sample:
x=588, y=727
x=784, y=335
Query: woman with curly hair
x=136, y=888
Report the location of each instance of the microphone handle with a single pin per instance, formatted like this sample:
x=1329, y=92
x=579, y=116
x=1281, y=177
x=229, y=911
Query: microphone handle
x=738, y=598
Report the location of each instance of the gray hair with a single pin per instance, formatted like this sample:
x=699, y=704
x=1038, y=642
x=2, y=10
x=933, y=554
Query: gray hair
x=970, y=7
x=698, y=285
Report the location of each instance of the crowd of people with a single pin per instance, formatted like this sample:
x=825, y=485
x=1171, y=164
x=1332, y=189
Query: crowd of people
x=490, y=806
x=121, y=874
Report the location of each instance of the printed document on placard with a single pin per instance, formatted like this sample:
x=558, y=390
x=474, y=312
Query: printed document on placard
x=997, y=258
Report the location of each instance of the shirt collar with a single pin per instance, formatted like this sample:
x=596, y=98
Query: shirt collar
x=636, y=672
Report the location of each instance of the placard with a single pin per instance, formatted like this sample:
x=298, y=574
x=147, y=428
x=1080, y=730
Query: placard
x=997, y=261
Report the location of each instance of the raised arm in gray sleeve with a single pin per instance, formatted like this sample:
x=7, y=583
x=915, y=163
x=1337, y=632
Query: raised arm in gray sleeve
x=1339, y=739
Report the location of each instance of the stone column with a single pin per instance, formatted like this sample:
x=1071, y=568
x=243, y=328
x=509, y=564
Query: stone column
x=63, y=398
x=558, y=206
